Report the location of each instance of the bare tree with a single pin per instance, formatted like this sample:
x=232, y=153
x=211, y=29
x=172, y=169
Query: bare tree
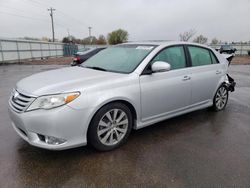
x=187, y=35
x=101, y=40
x=200, y=39
x=214, y=41
x=89, y=40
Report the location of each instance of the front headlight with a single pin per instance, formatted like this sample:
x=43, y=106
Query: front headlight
x=53, y=101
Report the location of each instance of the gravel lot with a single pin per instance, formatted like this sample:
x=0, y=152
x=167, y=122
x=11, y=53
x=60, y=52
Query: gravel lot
x=199, y=149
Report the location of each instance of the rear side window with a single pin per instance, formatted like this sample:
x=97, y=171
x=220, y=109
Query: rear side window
x=175, y=56
x=199, y=56
x=214, y=59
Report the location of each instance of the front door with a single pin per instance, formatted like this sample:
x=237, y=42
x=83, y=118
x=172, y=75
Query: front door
x=168, y=92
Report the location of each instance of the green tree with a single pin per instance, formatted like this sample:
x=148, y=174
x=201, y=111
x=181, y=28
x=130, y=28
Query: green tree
x=118, y=36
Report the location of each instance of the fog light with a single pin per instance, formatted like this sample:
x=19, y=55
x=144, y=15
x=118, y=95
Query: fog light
x=53, y=140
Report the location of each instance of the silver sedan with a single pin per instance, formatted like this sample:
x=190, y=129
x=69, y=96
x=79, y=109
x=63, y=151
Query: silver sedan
x=124, y=87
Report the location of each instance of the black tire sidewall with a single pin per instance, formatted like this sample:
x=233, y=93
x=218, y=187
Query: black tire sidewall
x=92, y=136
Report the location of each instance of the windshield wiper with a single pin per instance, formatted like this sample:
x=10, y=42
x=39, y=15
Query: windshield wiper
x=96, y=68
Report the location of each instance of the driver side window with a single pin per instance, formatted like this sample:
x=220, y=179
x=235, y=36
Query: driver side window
x=175, y=56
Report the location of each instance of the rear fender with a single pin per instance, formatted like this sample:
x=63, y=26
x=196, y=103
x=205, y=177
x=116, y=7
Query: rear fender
x=230, y=83
x=228, y=57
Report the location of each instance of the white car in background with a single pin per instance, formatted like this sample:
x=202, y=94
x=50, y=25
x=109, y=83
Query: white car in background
x=124, y=87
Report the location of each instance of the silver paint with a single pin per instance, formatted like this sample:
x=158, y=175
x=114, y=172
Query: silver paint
x=154, y=97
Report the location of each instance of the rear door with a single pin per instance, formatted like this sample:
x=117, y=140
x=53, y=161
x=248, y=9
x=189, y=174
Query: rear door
x=206, y=74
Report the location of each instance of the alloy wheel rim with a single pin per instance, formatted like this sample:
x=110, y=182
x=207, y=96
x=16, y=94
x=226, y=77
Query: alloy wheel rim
x=221, y=98
x=112, y=127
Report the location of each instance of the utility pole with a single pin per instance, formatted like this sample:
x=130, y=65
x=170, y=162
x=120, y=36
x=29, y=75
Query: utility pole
x=52, y=22
x=69, y=36
x=68, y=32
x=90, y=38
x=90, y=31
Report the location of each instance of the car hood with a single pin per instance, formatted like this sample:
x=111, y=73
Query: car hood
x=63, y=80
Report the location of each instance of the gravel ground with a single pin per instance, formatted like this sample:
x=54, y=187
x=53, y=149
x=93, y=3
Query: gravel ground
x=49, y=61
x=241, y=60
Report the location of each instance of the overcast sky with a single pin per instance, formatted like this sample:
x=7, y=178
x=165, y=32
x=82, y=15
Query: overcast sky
x=227, y=20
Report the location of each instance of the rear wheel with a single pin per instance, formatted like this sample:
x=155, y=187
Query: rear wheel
x=110, y=127
x=220, y=98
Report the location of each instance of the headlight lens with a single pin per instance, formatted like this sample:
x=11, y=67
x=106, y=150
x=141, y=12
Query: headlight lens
x=53, y=101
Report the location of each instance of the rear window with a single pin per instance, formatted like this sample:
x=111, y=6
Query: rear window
x=214, y=59
x=199, y=56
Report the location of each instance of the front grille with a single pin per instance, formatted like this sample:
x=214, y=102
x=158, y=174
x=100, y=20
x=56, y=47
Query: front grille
x=20, y=102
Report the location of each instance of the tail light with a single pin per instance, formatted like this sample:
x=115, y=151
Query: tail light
x=77, y=58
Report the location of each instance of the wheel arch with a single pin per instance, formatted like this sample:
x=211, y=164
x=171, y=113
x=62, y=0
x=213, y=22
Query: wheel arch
x=123, y=101
x=221, y=82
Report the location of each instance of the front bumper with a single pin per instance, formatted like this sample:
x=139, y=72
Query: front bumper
x=63, y=122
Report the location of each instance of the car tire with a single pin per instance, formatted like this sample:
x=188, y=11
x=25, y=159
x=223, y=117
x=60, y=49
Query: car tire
x=110, y=127
x=220, y=98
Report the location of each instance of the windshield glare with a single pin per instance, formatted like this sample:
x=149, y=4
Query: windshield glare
x=123, y=59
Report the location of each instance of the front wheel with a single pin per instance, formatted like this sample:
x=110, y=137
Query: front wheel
x=110, y=127
x=220, y=98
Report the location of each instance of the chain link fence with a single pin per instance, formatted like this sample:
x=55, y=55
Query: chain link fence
x=18, y=50
x=242, y=49
x=12, y=50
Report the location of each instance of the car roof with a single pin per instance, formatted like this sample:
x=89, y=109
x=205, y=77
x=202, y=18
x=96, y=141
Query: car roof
x=164, y=43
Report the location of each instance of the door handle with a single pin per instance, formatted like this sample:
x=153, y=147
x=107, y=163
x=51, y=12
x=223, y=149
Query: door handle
x=218, y=72
x=185, y=78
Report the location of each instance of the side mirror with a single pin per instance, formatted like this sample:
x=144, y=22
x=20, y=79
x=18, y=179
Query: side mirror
x=160, y=66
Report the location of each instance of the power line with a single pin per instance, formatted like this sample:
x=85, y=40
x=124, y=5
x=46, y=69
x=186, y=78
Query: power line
x=32, y=18
x=68, y=16
x=38, y=4
x=41, y=20
x=67, y=28
x=19, y=10
x=61, y=12
x=21, y=16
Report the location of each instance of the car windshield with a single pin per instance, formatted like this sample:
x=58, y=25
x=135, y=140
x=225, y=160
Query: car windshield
x=226, y=47
x=123, y=58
